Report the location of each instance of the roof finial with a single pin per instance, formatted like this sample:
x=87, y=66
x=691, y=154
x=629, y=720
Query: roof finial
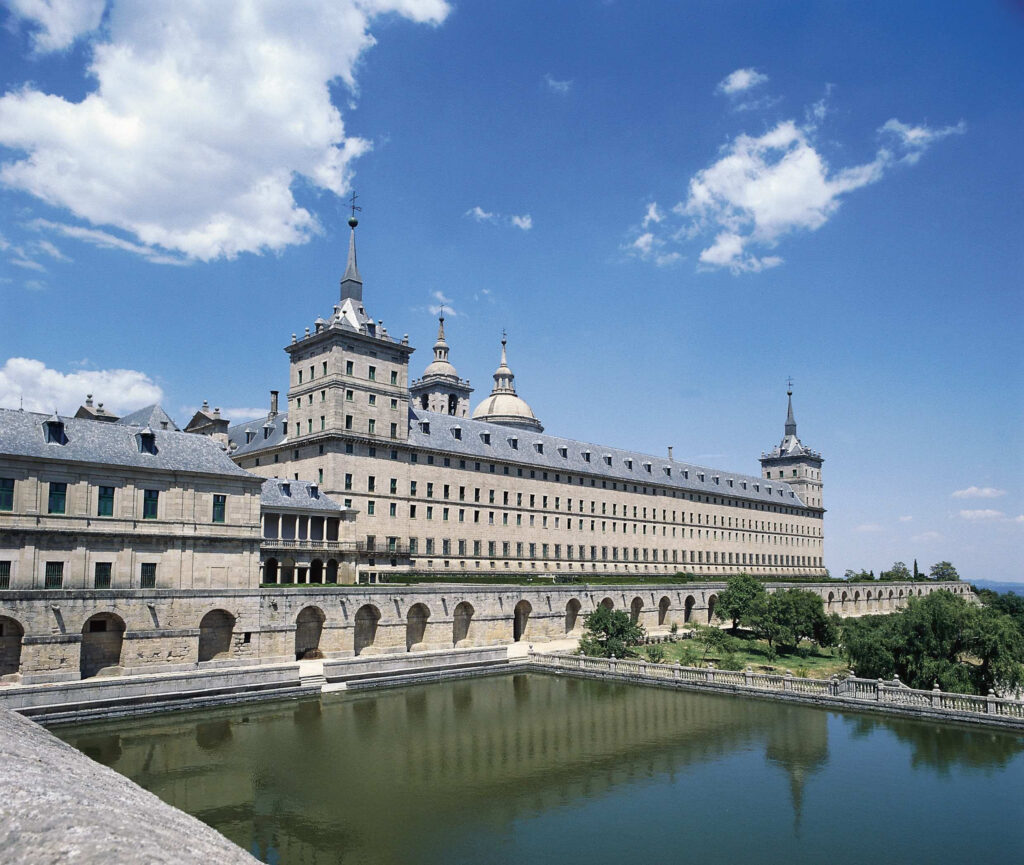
x=790, y=420
x=352, y=282
x=789, y=386
x=353, y=220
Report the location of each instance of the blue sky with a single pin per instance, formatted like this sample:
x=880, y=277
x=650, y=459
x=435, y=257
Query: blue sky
x=671, y=207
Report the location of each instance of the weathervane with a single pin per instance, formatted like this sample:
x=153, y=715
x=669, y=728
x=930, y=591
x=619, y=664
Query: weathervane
x=353, y=219
x=789, y=385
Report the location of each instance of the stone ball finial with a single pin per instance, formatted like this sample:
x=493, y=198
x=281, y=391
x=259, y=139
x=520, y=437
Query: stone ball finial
x=353, y=222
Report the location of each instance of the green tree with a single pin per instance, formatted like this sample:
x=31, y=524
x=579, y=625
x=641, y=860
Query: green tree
x=610, y=633
x=943, y=571
x=737, y=600
x=713, y=640
x=917, y=573
x=899, y=571
x=789, y=616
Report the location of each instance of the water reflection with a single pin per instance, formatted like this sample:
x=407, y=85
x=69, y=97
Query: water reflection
x=367, y=777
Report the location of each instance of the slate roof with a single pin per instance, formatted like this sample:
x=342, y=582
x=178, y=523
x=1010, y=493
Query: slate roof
x=284, y=494
x=684, y=476
x=88, y=441
x=152, y=416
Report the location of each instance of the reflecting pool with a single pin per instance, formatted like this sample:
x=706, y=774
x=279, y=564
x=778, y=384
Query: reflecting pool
x=535, y=769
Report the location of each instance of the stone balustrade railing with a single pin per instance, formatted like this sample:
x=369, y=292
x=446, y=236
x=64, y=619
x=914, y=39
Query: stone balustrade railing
x=849, y=692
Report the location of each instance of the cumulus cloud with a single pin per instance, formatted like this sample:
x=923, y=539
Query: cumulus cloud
x=56, y=24
x=480, y=215
x=979, y=493
x=762, y=188
x=982, y=514
x=442, y=304
x=653, y=215
x=39, y=388
x=740, y=81
x=562, y=88
x=525, y=222
x=199, y=125
x=648, y=247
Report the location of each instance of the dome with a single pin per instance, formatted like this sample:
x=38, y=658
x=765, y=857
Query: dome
x=504, y=406
x=440, y=367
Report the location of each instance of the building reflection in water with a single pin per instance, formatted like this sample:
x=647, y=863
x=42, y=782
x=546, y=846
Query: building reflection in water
x=358, y=777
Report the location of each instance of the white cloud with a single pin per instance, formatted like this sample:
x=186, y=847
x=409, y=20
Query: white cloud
x=869, y=527
x=47, y=248
x=740, y=81
x=21, y=260
x=44, y=389
x=199, y=123
x=979, y=493
x=35, y=285
x=562, y=88
x=105, y=240
x=653, y=215
x=906, y=519
x=58, y=23
x=762, y=188
x=443, y=303
x=1019, y=518
x=480, y=215
x=525, y=222
x=984, y=514
x=925, y=537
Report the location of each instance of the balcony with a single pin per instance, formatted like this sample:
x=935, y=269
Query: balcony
x=384, y=548
x=304, y=544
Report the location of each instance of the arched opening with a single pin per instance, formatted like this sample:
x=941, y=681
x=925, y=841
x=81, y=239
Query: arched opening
x=102, y=639
x=416, y=625
x=521, y=620
x=11, y=633
x=287, y=571
x=572, y=615
x=332, y=571
x=711, y=608
x=270, y=571
x=831, y=599
x=688, y=608
x=608, y=604
x=843, y=599
x=215, y=631
x=461, y=621
x=316, y=571
x=367, y=617
x=309, y=625
x=635, y=608
x=663, y=606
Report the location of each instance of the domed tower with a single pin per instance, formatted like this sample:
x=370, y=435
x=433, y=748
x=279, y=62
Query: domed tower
x=440, y=389
x=792, y=462
x=503, y=406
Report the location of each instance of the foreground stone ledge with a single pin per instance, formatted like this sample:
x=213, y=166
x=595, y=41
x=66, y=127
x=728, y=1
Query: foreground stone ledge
x=60, y=806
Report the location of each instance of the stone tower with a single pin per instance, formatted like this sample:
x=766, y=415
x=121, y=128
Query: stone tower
x=797, y=465
x=348, y=376
x=441, y=390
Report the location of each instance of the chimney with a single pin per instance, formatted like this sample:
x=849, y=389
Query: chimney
x=273, y=403
x=670, y=452
x=216, y=412
x=88, y=400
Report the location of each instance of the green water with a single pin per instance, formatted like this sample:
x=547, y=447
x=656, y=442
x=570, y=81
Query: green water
x=536, y=769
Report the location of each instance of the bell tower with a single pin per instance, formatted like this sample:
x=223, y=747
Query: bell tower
x=791, y=461
x=441, y=390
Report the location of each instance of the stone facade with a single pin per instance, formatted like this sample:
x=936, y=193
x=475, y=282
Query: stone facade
x=51, y=636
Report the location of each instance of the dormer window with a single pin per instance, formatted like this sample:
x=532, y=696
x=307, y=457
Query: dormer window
x=249, y=436
x=457, y=432
x=485, y=437
x=743, y=484
x=757, y=488
x=425, y=427
x=668, y=470
x=314, y=491
x=586, y=456
x=563, y=452
x=513, y=443
x=701, y=476
x=607, y=459
x=629, y=464
x=686, y=474
x=647, y=467
x=286, y=488
x=54, y=431
x=539, y=446
x=715, y=479
x=147, y=441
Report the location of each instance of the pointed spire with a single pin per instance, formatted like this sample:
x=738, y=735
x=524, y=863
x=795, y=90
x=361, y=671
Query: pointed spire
x=440, y=347
x=352, y=282
x=790, y=420
x=504, y=378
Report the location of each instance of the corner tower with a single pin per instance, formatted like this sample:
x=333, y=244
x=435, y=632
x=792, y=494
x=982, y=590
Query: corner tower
x=792, y=462
x=348, y=376
x=441, y=390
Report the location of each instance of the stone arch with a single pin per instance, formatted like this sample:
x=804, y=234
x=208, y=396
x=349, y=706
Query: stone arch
x=663, y=606
x=521, y=619
x=712, y=600
x=309, y=626
x=102, y=640
x=843, y=598
x=11, y=633
x=331, y=575
x=316, y=571
x=608, y=603
x=462, y=620
x=286, y=571
x=636, y=607
x=215, y=631
x=416, y=625
x=688, y=608
x=831, y=600
x=270, y=570
x=572, y=615
x=367, y=617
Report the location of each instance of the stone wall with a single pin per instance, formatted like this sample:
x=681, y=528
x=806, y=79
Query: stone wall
x=173, y=630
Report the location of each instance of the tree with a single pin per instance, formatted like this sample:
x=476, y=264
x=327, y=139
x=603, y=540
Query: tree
x=943, y=571
x=789, y=616
x=899, y=571
x=610, y=633
x=738, y=598
x=713, y=639
x=916, y=571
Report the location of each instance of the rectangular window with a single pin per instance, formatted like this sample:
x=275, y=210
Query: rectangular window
x=373, y=399
x=148, y=578
x=105, y=503
x=394, y=376
x=430, y=489
x=412, y=512
x=101, y=575
x=58, y=499
x=371, y=426
x=219, y=507
x=371, y=373
x=394, y=430
x=348, y=367
x=369, y=508
x=150, y=502
x=430, y=512
x=5, y=575
x=323, y=422
x=348, y=482
x=371, y=483
x=414, y=544
x=54, y=575
x=393, y=509
x=6, y=494
x=394, y=486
